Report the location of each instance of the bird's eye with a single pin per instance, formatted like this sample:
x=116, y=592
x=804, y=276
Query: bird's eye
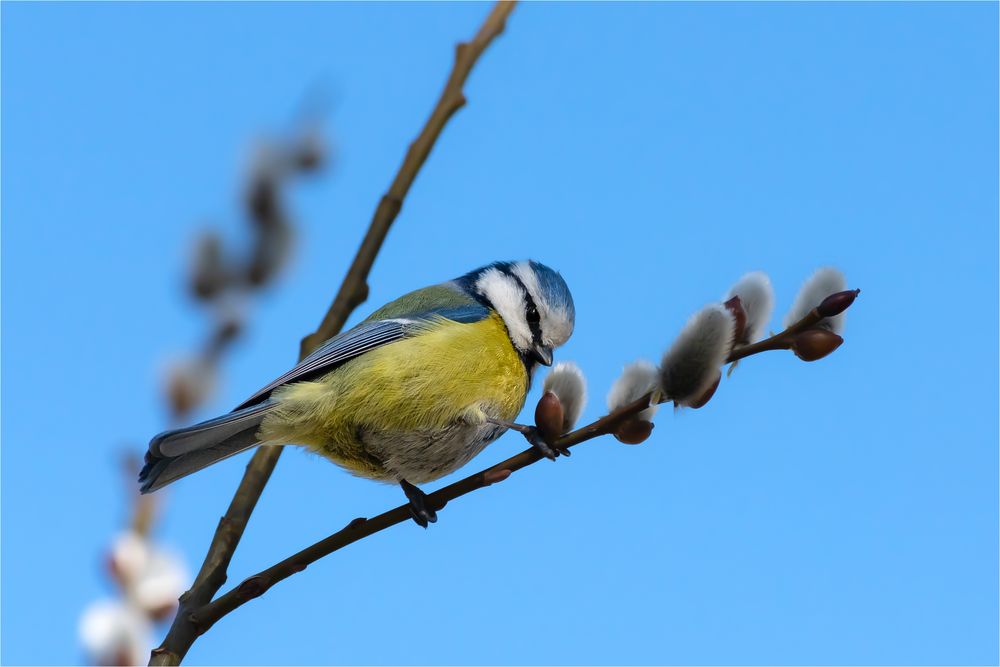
x=532, y=314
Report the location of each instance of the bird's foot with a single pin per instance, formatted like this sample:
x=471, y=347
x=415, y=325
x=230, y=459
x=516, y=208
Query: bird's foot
x=537, y=440
x=534, y=438
x=420, y=505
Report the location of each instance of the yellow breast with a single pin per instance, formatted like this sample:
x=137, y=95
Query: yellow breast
x=447, y=373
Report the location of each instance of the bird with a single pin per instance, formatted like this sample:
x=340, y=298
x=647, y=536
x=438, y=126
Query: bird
x=409, y=395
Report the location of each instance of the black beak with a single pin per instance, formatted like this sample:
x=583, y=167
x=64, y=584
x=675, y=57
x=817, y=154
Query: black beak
x=542, y=355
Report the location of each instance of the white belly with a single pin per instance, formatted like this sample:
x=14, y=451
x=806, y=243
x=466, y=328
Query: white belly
x=424, y=456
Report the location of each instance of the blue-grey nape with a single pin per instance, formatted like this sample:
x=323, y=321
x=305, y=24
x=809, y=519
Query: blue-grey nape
x=468, y=281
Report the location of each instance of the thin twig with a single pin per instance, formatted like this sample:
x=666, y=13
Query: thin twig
x=353, y=291
x=255, y=586
x=781, y=341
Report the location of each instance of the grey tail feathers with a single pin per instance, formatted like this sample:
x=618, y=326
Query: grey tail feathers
x=178, y=453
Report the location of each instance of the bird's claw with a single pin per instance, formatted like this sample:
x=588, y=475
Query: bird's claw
x=551, y=452
x=535, y=438
x=419, y=505
x=422, y=516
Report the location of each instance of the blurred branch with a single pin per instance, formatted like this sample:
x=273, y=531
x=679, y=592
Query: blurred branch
x=353, y=292
x=255, y=586
x=222, y=281
x=118, y=632
x=143, y=506
x=147, y=579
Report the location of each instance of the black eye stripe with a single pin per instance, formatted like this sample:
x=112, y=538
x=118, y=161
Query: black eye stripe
x=534, y=323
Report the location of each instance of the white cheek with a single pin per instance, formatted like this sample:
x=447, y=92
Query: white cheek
x=520, y=333
x=508, y=300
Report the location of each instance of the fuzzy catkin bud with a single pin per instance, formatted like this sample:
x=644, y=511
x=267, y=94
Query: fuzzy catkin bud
x=128, y=558
x=566, y=381
x=208, y=271
x=162, y=582
x=115, y=633
x=190, y=382
x=692, y=363
x=637, y=379
x=823, y=283
x=271, y=251
x=757, y=298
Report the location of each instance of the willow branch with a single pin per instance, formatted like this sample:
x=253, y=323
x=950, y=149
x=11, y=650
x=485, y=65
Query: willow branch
x=255, y=586
x=353, y=292
x=780, y=341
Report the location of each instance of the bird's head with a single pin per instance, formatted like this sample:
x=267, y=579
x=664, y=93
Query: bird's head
x=533, y=300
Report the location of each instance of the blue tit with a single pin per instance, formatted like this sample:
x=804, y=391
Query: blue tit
x=410, y=394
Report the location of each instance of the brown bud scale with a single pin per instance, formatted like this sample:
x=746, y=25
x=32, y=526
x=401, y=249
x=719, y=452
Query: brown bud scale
x=813, y=344
x=735, y=306
x=837, y=303
x=549, y=416
x=494, y=476
x=633, y=431
x=707, y=396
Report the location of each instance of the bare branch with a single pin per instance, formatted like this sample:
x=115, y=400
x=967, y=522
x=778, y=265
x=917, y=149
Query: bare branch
x=781, y=341
x=353, y=291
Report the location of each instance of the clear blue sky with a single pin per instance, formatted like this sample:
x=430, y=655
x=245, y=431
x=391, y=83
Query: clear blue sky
x=838, y=512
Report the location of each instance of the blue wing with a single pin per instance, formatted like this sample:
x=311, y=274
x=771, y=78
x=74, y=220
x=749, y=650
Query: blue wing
x=368, y=335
